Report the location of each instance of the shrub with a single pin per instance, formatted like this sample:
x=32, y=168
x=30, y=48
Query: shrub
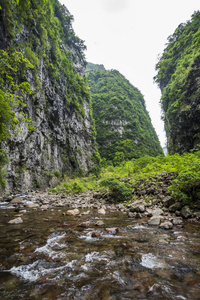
x=118, y=191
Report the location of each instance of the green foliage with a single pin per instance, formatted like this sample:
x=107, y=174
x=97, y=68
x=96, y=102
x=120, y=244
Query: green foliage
x=119, y=191
x=57, y=173
x=3, y=161
x=124, y=129
x=186, y=168
x=91, y=67
x=178, y=78
x=76, y=185
x=187, y=184
x=12, y=65
x=42, y=31
x=50, y=39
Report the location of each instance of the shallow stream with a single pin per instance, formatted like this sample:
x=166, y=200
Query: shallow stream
x=50, y=256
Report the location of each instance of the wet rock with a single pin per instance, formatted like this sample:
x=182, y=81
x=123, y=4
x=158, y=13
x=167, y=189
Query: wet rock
x=101, y=211
x=155, y=220
x=16, y=221
x=175, y=206
x=185, y=212
x=157, y=212
x=131, y=215
x=45, y=207
x=177, y=221
x=73, y=212
x=99, y=223
x=84, y=224
x=166, y=225
x=86, y=212
x=113, y=230
x=16, y=200
x=32, y=205
x=95, y=234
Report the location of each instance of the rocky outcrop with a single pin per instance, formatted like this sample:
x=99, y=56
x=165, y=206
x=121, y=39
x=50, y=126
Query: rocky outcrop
x=124, y=128
x=63, y=139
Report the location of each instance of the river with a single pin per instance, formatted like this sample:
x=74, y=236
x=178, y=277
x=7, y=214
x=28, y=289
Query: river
x=55, y=256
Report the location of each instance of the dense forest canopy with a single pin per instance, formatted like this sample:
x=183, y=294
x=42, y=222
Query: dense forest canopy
x=124, y=129
x=178, y=77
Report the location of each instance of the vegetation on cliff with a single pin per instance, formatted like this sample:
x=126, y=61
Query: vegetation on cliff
x=178, y=77
x=124, y=129
x=12, y=63
x=41, y=55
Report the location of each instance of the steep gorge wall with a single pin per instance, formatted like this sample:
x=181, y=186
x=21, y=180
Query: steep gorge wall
x=179, y=79
x=124, y=128
x=63, y=139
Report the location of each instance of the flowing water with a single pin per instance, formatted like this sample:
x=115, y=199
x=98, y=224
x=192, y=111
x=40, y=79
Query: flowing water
x=49, y=256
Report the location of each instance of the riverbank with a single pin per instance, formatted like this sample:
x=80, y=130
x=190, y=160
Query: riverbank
x=161, y=211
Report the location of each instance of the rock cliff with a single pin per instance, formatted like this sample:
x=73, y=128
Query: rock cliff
x=179, y=80
x=63, y=140
x=124, y=128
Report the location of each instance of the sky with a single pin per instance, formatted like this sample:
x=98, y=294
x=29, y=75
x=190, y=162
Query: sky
x=129, y=36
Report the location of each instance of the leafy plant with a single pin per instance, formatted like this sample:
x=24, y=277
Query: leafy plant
x=119, y=191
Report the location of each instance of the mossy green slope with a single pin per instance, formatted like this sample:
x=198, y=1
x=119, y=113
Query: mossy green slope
x=178, y=77
x=124, y=129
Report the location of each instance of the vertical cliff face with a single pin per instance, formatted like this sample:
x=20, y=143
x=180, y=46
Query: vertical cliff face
x=179, y=79
x=124, y=129
x=63, y=137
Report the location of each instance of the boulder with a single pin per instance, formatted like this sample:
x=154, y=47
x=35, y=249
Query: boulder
x=138, y=206
x=166, y=225
x=99, y=223
x=157, y=212
x=168, y=201
x=101, y=211
x=16, y=200
x=177, y=221
x=149, y=212
x=155, y=220
x=73, y=212
x=185, y=212
x=16, y=221
x=175, y=206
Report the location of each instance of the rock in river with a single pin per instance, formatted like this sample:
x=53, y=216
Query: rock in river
x=16, y=221
x=155, y=220
x=73, y=212
x=166, y=225
x=102, y=211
